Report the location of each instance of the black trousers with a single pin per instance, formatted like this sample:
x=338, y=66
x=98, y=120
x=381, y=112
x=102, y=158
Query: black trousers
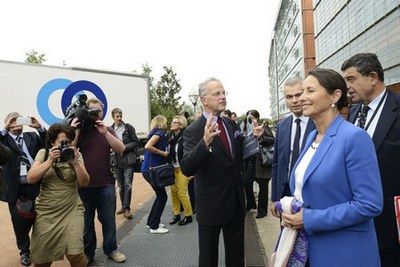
x=158, y=205
x=22, y=227
x=233, y=234
x=262, y=207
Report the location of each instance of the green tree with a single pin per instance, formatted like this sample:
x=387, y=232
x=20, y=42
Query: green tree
x=164, y=97
x=33, y=56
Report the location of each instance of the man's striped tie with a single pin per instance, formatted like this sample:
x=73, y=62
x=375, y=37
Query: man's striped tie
x=24, y=157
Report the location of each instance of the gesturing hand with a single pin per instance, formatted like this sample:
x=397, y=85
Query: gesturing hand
x=210, y=130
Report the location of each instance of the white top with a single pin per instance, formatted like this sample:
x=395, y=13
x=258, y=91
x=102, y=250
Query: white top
x=119, y=130
x=301, y=170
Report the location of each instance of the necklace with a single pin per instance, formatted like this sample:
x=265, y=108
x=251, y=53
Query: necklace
x=314, y=146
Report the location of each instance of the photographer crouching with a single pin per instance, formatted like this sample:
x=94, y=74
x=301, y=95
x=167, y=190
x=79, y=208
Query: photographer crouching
x=58, y=227
x=95, y=140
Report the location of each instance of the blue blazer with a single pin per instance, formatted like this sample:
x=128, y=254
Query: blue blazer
x=342, y=193
x=387, y=146
x=280, y=162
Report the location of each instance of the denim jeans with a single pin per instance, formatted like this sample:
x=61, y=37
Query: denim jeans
x=124, y=178
x=158, y=206
x=103, y=200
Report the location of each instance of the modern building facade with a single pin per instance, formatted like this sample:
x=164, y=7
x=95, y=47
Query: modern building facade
x=292, y=50
x=344, y=28
x=339, y=30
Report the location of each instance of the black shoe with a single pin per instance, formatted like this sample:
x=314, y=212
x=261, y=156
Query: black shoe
x=250, y=208
x=261, y=215
x=175, y=219
x=25, y=259
x=186, y=220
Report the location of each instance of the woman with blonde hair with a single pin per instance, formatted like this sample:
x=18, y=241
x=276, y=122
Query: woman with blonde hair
x=155, y=154
x=179, y=190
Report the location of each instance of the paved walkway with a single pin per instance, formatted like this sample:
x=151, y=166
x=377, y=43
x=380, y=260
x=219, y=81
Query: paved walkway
x=178, y=248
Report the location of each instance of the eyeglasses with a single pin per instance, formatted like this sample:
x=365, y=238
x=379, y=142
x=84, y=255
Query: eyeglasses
x=219, y=93
x=176, y=122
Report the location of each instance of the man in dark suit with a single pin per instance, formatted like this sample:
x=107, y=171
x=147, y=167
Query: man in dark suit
x=23, y=147
x=285, y=139
x=381, y=119
x=212, y=153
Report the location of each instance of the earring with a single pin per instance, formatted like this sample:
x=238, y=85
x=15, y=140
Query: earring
x=333, y=105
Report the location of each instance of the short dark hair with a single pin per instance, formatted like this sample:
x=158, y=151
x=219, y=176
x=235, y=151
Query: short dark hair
x=254, y=113
x=115, y=111
x=55, y=130
x=331, y=80
x=365, y=64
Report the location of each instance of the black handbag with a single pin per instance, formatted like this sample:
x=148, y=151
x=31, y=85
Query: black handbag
x=266, y=154
x=162, y=175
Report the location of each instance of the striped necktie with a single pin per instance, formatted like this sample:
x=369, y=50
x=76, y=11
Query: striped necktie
x=24, y=157
x=362, y=117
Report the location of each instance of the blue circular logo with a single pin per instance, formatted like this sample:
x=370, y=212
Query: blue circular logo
x=71, y=90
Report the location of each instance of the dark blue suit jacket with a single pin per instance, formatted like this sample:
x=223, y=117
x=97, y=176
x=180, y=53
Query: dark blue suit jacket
x=386, y=139
x=280, y=163
x=11, y=170
x=217, y=176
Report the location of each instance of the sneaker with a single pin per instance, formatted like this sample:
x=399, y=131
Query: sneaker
x=25, y=259
x=160, y=230
x=160, y=225
x=121, y=211
x=118, y=257
x=128, y=214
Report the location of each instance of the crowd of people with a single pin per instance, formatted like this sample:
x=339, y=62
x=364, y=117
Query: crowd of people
x=333, y=181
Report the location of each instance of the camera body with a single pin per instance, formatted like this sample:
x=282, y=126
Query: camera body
x=66, y=152
x=79, y=110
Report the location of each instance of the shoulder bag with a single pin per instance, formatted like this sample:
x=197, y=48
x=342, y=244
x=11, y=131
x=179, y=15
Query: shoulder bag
x=162, y=175
x=266, y=154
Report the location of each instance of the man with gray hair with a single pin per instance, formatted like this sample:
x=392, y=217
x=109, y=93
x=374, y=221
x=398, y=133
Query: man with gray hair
x=23, y=146
x=212, y=153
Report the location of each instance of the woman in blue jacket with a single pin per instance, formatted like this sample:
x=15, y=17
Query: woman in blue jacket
x=337, y=179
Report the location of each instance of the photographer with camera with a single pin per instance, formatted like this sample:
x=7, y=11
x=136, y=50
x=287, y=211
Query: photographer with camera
x=58, y=227
x=95, y=143
x=23, y=147
x=124, y=165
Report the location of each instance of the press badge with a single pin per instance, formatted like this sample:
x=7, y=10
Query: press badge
x=23, y=170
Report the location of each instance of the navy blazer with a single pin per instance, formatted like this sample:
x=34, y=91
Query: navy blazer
x=11, y=170
x=217, y=176
x=280, y=162
x=386, y=139
x=342, y=193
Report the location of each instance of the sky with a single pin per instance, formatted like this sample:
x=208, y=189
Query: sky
x=225, y=39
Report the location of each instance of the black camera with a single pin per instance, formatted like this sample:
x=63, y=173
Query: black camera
x=78, y=110
x=66, y=152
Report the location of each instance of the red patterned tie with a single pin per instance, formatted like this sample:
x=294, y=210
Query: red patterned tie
x=223, y=136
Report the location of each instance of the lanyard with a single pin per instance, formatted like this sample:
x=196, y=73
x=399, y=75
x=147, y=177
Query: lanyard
x=376, y=110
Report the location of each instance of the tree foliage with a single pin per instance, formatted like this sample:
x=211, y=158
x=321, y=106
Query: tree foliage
x=164, y=99
x=33, y=56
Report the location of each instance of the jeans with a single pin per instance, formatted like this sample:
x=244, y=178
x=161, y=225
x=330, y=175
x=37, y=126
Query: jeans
x=103, y=200
x=158, y=206
x=125, y=178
